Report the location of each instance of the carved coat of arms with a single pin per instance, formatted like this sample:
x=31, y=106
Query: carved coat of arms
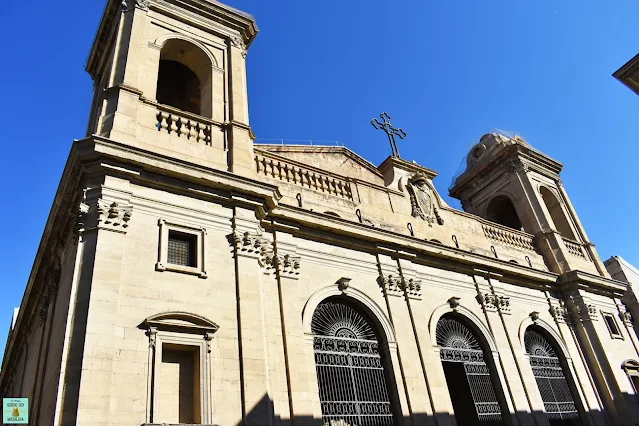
x=422, y=200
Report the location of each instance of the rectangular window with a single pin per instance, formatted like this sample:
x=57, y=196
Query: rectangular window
x=182, y=248
x=613, y=328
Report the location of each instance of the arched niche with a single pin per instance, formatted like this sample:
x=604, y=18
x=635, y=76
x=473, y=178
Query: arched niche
x=185, y=77
x=501, y=210
x=557, y=213
x=179, y=340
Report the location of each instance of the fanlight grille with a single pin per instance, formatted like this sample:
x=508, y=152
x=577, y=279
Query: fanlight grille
x=537, y=345
x=350, y=368
x=333, y=319
x=451, y=333
x=554, y=388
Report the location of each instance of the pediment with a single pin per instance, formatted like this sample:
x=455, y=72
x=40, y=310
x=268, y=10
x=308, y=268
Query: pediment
x=333, y=159
x=181, y=321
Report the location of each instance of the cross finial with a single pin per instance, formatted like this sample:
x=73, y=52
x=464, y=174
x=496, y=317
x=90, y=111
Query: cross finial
x=390, y=131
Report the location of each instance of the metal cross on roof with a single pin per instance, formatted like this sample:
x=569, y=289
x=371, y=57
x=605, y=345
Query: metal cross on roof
x=390, y=131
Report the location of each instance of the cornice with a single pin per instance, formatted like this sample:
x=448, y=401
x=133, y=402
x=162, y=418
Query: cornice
x=193, y=11
x=406, y=165
x=533, y=159
x=628, y=74
x=371, y=239
x=580, y=280
x=142, y=164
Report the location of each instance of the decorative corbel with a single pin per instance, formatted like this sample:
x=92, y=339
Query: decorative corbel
x=454, y=302
x=343, y=283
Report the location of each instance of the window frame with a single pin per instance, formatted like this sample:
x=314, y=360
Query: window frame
x=162, y=263
x=182, y=329
x=613, y=335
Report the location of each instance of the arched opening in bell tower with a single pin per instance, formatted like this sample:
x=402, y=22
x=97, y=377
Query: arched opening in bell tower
x=556, y=213
x=184, y=78
x=502, y=211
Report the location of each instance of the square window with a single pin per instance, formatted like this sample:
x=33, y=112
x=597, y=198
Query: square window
x=181, y=249
x=613, y=328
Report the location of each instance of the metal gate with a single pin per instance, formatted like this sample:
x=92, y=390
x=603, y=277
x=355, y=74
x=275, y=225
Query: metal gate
x=555, y=392
x=350, y=368
x=458, y=344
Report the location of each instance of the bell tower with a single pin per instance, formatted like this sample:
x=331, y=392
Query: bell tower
x=509, y=182
x=170, y=77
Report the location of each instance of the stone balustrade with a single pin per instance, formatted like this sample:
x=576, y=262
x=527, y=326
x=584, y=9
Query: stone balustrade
x=303, y=176
x=183, y=124
x=509, y=237
x=574, y=248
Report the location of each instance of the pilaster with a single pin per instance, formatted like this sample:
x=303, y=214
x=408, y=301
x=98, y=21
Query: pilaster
x=249, y=247
x=392, y=287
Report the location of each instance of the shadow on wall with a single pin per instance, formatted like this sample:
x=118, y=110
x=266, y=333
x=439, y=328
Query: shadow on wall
x=263, y=411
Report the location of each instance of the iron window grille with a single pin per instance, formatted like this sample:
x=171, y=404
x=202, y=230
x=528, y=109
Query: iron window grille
x=552, y=383
x=350, y=368
x=182, y=248
x=458, y=344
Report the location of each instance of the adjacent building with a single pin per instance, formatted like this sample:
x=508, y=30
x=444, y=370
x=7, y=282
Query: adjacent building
x=189, y=276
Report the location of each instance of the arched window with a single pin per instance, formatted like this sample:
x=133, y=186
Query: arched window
x=184, y=78
x=549, y=370
x=502, y=211
x=556, y=213
x=471, y=381
x=351, y=363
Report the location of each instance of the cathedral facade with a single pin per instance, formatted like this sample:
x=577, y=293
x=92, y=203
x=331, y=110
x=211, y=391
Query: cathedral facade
x=188, y=276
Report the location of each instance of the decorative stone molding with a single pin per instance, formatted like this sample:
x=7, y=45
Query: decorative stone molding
x=83, y=211
x=559, y=313
x=492, y=302
x=287, y=265
x=534, y=316
x=454, y=302
x=488, y=301
x=152, y=334
x=504, y=304
x=413, y=288
x=391, y=284
x=518, y=166
x=422, y=200
x=591, y=312
x=238, y=42
x=247, y=243
x=626, y=316
x=130, y=4
x=343, y=283
x=113, y=216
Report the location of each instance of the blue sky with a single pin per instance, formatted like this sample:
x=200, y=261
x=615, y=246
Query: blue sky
x=447, y=72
